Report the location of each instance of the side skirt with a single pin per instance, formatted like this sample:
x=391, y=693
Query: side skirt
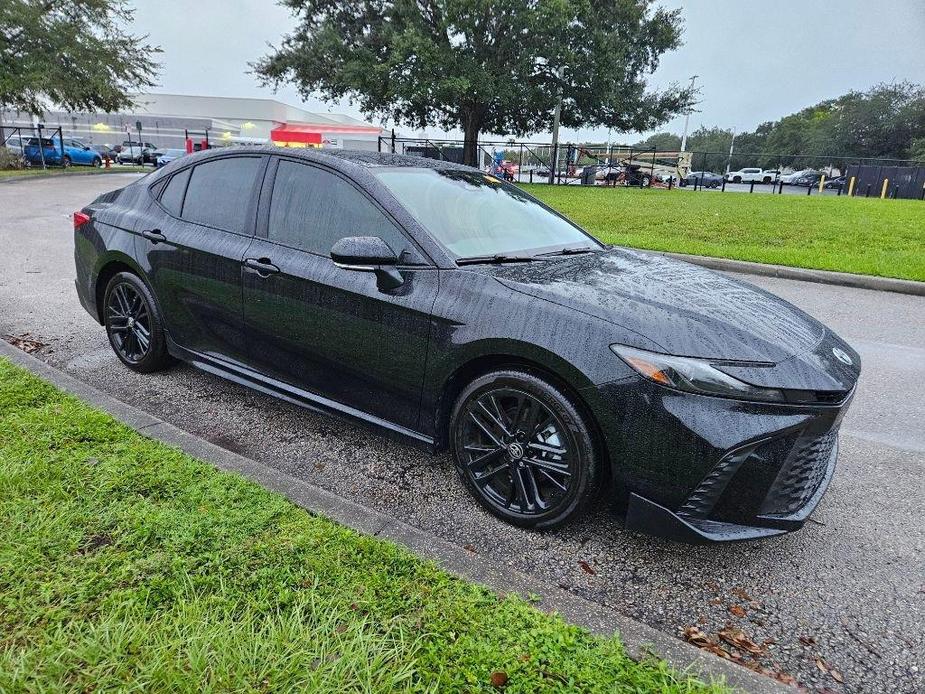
x=303, y=398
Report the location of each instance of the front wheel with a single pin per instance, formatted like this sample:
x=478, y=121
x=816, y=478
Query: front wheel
x=97, y=162
x=523, y=449
x=66, y=162
x=133, y=324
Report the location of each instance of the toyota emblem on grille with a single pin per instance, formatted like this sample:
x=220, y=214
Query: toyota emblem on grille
x=842, y=356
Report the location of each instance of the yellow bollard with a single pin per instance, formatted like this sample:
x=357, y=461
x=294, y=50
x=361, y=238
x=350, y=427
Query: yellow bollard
x=886, y=182
x=822, y=183
x=851, y=187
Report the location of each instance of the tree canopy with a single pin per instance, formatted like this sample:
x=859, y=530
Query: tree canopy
x=75, y=54
x=885, y=122
x=494, y=66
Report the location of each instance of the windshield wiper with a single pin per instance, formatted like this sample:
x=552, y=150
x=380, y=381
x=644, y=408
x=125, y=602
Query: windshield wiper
x=496, y=258
x=568, y=251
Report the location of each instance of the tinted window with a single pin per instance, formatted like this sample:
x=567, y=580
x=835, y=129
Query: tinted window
x=219, y=193
x=172, y=197
x=311, y=209
x=472, y=213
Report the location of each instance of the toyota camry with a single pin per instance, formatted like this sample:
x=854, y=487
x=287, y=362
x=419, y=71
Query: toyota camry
x=451, y=309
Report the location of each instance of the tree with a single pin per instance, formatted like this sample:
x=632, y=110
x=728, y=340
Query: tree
x=494, y=66
x=75, y=54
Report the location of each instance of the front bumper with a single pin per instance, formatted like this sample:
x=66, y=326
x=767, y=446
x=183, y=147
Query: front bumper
x=698, y=468
x=646, y=516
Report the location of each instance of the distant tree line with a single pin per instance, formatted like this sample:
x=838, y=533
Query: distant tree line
x=884, y=122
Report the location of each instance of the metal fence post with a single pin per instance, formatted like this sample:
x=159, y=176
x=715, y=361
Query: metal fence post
x=751, y=187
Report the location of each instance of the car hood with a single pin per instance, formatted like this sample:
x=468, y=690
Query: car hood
x=680, y=308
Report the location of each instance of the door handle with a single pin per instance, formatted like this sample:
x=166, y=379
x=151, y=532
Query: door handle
x=154, y=235
x=262, y=266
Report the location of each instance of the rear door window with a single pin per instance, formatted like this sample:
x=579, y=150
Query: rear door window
x=220, y=193
x=172, y=197
x=311, y=209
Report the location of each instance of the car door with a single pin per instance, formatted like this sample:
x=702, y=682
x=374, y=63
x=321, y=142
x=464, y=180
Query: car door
x=329, y=330
x=191, y=245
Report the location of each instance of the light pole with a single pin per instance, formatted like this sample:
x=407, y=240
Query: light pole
x=687, y=118
x=731, y=148
x=556, y=114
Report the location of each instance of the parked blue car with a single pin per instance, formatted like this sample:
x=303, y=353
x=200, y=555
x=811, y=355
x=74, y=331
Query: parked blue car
x=73, y=152
x=164, y=157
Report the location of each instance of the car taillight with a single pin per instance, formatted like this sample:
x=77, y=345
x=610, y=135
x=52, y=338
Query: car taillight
x=80, y=218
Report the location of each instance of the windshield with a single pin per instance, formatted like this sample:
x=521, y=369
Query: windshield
x=474, y=214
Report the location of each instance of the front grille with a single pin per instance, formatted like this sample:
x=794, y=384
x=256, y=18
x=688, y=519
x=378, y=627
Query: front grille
x=801, y=475
x=774, y=477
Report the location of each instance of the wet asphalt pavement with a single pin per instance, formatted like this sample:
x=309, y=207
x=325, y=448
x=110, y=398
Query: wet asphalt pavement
x=843, y=599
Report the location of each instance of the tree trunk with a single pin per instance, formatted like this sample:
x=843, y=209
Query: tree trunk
x=471, y=129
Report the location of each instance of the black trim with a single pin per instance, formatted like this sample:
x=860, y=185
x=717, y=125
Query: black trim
x=312, y=401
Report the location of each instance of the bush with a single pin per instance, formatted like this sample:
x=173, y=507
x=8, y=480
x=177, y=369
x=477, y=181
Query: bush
x=10, y=159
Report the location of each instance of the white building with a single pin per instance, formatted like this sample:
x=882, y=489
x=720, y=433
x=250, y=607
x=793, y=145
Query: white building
x=168, y=119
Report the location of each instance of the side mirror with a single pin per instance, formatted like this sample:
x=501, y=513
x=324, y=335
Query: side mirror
x=368, y=254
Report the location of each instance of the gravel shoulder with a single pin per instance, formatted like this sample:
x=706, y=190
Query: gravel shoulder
x=851, y=583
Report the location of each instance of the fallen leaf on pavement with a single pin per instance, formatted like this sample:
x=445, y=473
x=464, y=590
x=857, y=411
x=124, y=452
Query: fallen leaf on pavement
x=738, y=638
x=823, y=668
x=498, y=679
x=737, y=610
x=837, y=676
x=25, y=343
x=586, y=567
x=807, y=640
x=741, y=594
x=695, y=636
x=469, y=548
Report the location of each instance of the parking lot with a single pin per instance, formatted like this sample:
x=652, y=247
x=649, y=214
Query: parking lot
x=847, y=593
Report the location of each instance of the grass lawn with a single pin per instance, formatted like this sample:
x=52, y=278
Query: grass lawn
x=866, y=236
x=71, y=170
x=125, y=564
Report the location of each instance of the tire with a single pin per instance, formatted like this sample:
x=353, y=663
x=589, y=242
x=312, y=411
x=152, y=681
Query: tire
x=523, y=449
x=737, y=179
x=97, y=162
x=66, y=162
x=766, y=179
x=131, y=313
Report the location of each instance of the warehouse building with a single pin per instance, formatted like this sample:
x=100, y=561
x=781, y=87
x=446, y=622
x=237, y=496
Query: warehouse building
x=166, y=120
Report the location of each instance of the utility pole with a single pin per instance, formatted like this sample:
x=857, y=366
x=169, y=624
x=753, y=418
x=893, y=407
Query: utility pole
x=687, y=118
x=731, y=149
x=557, y=112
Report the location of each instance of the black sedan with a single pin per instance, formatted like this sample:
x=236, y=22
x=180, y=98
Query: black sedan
x=455, y=311
x=704, y=179
x=808, y=180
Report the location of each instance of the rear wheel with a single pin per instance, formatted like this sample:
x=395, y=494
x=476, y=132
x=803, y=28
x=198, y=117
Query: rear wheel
x=133, y=324
x=523, y=449
x=737, y=179
x=97, y=162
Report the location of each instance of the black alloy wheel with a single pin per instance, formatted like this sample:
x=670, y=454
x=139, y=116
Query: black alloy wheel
x=523, y=450
x=133, y=324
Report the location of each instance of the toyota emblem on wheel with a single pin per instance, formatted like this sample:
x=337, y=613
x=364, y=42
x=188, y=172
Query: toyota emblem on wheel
x=842, y=356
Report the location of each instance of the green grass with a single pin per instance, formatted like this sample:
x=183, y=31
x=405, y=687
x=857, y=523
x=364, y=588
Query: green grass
x=125, y=564
x=860, y=235
x=70, y=171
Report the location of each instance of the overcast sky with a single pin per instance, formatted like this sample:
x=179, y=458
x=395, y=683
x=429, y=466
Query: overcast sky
x=755, y=61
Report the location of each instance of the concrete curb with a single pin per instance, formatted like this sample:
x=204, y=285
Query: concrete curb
x=62, y=174
x=638, y=638
x=844, y=279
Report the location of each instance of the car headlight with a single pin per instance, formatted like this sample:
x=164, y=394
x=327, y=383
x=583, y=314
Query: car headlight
x=693, y=375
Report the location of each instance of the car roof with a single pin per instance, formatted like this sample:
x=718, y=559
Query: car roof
x=342, y=158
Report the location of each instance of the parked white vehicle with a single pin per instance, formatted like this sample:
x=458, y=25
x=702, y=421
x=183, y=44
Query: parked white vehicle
x=749, y=175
